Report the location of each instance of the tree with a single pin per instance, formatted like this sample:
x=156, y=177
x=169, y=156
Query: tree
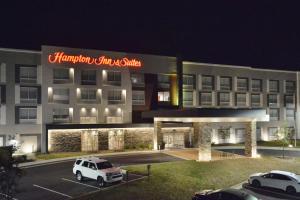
x=285, y=135
x=9, y=172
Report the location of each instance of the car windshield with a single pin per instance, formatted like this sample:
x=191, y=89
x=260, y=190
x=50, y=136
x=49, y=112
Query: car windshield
x=104, y=165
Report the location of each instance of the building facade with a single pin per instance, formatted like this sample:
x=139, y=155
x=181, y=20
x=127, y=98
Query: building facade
x=66, y=99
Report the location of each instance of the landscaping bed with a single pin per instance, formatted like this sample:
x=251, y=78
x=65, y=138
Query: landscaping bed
x=179, y=180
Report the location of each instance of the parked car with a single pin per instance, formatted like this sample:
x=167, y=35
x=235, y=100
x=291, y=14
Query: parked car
x=224, y=194
x=97, y=169
x=283, y=180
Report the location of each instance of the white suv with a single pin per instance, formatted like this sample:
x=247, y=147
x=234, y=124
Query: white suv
x=97, y=169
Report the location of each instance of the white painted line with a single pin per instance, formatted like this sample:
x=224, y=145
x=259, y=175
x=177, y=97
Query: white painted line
x=87, y=185
x=52, y=191
x=7, y=196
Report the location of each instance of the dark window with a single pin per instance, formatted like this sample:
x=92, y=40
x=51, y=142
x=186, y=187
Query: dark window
x=92, y=166
x=242, y=84
x=207, y=82
x=273, y=86
x=225, y=83
x=280, y=177
x=104, y=165
x=85, y=164
x=256, y=85
x=88, y=77
x=78, y=162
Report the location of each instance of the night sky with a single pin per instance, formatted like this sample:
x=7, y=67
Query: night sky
x=261, y=33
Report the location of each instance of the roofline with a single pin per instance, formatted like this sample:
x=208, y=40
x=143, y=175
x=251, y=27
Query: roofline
x=238, y=66
x=20, y=50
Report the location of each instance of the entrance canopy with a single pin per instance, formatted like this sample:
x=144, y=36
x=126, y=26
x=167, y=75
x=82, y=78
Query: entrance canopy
x=201, y=118
x=208, y=115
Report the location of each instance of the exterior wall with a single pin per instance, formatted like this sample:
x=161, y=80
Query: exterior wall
x=199, y=69
x=8, y=126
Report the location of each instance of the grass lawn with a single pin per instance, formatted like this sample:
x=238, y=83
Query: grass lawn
x=179, y=180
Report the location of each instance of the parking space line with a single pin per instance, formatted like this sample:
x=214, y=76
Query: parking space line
x=64, y=179
x=7, y=196
x=52, y=191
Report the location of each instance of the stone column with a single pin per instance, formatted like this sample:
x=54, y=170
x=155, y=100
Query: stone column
x=250, y=139
x=157, y=136
x=196, y=134
x=204, y=139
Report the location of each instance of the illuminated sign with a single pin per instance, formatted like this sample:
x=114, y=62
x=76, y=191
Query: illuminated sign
x=61, y=57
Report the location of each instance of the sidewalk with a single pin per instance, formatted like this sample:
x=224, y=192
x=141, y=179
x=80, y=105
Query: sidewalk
x=258, y=147
x=58, y=160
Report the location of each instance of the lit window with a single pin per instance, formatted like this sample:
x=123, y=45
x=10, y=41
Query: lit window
x=188, y=98
x=164, y=96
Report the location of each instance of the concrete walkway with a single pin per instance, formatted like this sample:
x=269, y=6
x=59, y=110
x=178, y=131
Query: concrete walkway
x=58, y=160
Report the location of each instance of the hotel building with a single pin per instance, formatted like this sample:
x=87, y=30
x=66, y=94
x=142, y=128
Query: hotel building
x=66, y=99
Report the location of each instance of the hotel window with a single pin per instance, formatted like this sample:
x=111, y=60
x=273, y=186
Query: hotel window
x=205, y=98
x=163, y=80
x=290, y=86
x=207, y=82
x=224, y=135
x=224, y=99
x=256, y=85
x=61, y=115
x=241, y=99
x=61, y=75
x=273, y=133
x=273, y=100
x=138, y=97
x=240, y=134
x=255, y=100
x=187, y=98
x=242, y=84
x=289, y=101
x=188, y=81
x=88, y=77
x=164, y=96
x=28, y=74
x=28, y=94
x=137, y=80
x=88, y=94
x=88, y=115
x=27, y=115
x=274, y=114
x=115, y=97
x=114, y=77
x=60, y=95
x=225, y=83
x=273, y=86
x=290, y=114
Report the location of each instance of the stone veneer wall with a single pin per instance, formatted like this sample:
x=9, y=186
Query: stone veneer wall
x=64, y=141
x=70, y=140
x=139, y=138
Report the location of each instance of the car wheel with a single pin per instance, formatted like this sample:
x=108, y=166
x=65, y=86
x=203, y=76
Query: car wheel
x=256, y=183
x=100, y=182
x=79, y=176
x=290, y=190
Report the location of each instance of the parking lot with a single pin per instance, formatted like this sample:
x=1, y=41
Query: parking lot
x=56, y=181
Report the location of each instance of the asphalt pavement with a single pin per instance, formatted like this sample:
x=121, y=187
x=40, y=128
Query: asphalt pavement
x=56, y=181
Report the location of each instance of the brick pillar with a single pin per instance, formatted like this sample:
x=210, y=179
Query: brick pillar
x=157, y=137
x=204, y=141
x=250, y=139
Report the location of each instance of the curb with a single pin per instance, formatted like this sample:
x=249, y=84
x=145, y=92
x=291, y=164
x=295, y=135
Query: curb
x=61, y=160
x=258, y=147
